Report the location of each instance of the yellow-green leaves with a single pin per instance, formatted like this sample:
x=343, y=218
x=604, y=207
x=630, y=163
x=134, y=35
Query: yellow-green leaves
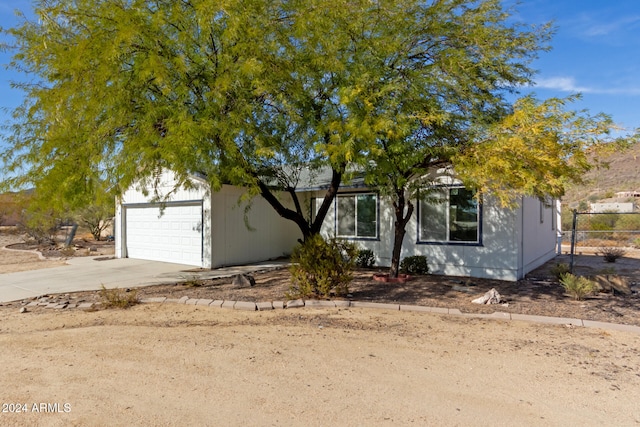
x=536, y=150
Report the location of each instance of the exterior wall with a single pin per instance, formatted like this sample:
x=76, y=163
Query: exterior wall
x=506, y=251
x=539, y=230
x=269, y=236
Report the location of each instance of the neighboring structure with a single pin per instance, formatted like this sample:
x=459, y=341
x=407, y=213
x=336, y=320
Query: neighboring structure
x=627, y=194
x=200, y=228
x=458, y=235
x=612, y=207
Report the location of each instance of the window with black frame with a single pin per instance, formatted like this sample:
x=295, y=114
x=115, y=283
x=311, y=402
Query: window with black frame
x=449, y=215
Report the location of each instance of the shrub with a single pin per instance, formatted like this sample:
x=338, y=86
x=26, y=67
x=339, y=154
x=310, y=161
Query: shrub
x=321, y=267
x=118, y=298
x=416, y=264
x=559, y=270
x=577, y=286
x=366, y=258
x=612, y=253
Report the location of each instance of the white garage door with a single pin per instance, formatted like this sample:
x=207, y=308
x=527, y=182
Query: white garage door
x=175, y=236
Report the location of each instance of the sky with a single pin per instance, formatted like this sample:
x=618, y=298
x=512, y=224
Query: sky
x=595, y=52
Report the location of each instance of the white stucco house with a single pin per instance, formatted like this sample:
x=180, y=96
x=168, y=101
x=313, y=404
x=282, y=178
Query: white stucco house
x=459, y=235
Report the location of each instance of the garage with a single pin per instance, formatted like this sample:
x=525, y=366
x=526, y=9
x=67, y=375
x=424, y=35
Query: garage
x=174, y=234
x=197, y=226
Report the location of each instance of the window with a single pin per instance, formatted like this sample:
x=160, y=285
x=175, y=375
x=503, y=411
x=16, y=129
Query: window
x=449, y=215
x=357, y=215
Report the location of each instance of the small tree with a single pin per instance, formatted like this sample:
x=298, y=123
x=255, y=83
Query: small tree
x=97, y=219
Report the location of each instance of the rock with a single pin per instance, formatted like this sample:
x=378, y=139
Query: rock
x=243, y=280
x=491, y=297
x=23, y=310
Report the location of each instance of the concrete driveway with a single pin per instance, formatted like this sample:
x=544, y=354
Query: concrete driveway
x=86, y=274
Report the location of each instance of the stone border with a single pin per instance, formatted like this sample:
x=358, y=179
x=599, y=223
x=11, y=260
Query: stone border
x=300, y=303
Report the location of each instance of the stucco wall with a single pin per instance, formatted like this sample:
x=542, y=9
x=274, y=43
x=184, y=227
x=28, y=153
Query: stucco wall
x=501, y=254
x=269, y=235
x=539, y=222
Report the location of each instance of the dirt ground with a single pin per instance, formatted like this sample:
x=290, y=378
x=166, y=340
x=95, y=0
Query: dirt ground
x=187, y=365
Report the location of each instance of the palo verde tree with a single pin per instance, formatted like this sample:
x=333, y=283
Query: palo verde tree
x=250, y=92
x=243, y=92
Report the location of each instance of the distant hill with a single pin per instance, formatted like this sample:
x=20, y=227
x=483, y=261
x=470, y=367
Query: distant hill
x=623, y=174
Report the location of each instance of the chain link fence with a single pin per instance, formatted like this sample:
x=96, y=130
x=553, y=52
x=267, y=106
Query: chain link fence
x=608, y=234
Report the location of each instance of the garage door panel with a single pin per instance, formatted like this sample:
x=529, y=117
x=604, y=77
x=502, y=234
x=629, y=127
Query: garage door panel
x=174, y=236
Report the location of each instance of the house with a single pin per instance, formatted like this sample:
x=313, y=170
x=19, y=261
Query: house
x=458, y=234
x=606, y=207
x=198, y=227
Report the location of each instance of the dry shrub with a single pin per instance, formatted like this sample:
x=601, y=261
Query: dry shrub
x=611, y=253
x=118, y=298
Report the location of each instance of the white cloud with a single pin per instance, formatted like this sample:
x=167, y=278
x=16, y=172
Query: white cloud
x=607, y=28
x=563, y=84
x=568, y=84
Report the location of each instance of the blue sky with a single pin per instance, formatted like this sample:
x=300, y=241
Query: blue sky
x=596, y=51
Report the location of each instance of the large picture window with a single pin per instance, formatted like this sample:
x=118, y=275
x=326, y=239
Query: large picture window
x=357, y=215
x=449, y=215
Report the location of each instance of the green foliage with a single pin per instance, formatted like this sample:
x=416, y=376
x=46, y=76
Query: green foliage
x=536, y=150
x=250, y=91
x=603, y=222
x=628, y=222
x=578, y=286
x=365, y=258
x=416, y=264
x=118, y=298
x=321, y=267
x=97, y=219
x=559, y=270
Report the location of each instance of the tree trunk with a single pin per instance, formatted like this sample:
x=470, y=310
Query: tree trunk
x=72, y=235
x=298, y=216
x=399, y=230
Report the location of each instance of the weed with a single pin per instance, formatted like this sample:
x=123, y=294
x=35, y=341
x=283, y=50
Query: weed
x=559, y=270
x=578, y=286
x=118, y=298
x=612, y=253
x=192, y=281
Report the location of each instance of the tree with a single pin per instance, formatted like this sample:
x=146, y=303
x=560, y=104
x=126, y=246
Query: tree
x=252, y=92
x=245, y=92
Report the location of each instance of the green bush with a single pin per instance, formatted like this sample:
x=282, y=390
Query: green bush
x=321, y=268
x=559, y=270
x=577, y=286
x=416, y=264
x=366, y=258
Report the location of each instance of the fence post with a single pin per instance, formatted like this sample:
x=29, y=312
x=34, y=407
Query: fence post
x=573, y=239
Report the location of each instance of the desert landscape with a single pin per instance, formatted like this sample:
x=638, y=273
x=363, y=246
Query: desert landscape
x=176, y=364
